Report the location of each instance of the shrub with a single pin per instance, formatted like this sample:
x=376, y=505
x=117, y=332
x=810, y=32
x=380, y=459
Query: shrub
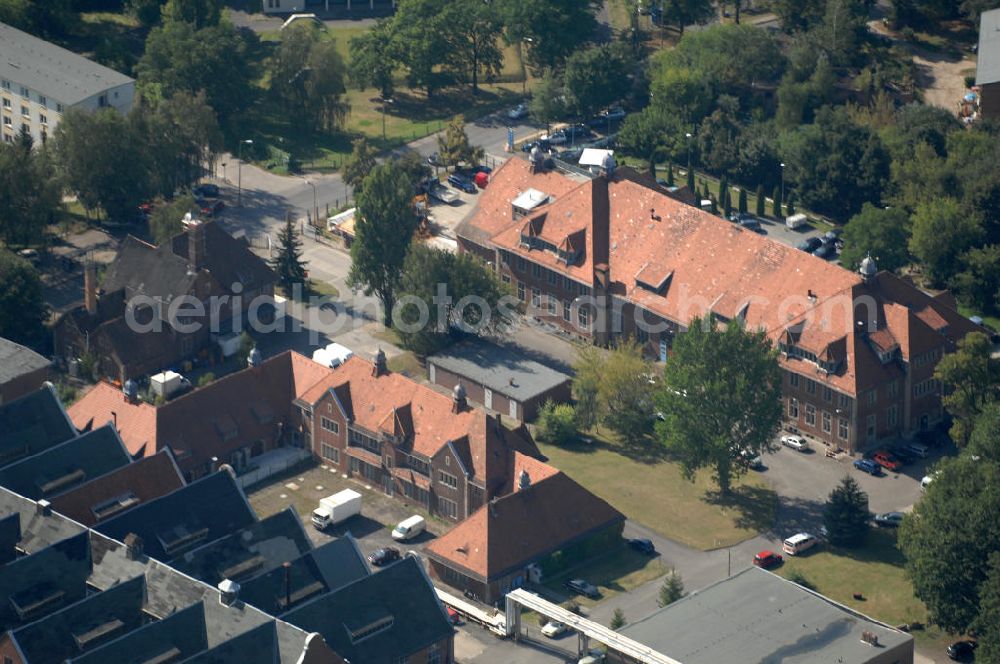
x=556, y=424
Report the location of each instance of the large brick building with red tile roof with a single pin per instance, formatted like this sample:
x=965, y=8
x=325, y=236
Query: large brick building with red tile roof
x=410, y=440
x=613, y=257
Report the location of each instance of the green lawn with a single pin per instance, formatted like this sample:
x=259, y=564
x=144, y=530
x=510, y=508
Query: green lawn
x=618, y=571
x=650, y=489
x=412, y=115
x=876, y=570
x=324, y=288
x=408, y=364
x=992, y=322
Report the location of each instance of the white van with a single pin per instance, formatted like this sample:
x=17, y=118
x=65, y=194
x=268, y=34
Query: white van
x=796, y=544
x=917, y=450
x=925, y=482
x=409, y=528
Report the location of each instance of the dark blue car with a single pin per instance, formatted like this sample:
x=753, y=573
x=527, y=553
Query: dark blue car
x=462, y=182
x=868, y=466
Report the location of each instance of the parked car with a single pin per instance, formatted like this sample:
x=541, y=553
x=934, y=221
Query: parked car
x=767, y=559
x=454, y=617
x=809, y=245
x=918, y=450
x=797, y=443
x=571, y=156
x=798, y=543
x=825, y=250
x=889, y=519
x=384, y=556
x=887, y=461
x=208, y=190
x=462, y=182
x=751, y=223
x=962, y=651
x=868, y=466
x=553, y=629
x=211, y=208
x=753, y=461
x=434, y=159
x=643, y=546
x=583, y=587
x=556, y=138
x=518, y=112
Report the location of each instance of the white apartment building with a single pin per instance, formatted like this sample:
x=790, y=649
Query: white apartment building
x=39, y=81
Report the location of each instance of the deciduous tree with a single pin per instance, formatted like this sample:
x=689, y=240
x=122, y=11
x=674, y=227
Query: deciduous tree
x=613, y=388
x=373, y=59
x=882, y=233
x=548, y=102
x=549, y=30
x=165, y=220
x=556, y=424
x=458, y=294
x=721, y=396
x=359, y=164
x=29, y=194
x=384, y=226
x=978, y=284
x=595, y=78
x=198, y=13
x=942, y=231
x=473, y=46
x=683, y=13
x=971, y=380
x=454, y=147
x=22, y=307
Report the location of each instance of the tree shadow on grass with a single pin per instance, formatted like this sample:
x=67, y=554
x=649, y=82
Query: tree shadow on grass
x=879, y=547
x=754, y=506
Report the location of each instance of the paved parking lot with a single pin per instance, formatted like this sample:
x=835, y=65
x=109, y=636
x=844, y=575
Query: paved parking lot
x=372, y=528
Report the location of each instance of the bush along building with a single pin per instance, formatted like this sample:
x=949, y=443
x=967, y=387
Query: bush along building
x=613, y=256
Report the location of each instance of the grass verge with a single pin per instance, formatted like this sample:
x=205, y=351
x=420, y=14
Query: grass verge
x=650, y=489
x=616, y=572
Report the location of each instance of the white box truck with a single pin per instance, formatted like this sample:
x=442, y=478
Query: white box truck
x=796, y=220
x=336, y=508
x=333, y=355
x=409, y=528
x=167, y=383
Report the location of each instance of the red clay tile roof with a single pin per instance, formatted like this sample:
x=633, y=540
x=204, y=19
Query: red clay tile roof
x=144, y=479
x=249, y=403
x=509, y=532
x=136, y=422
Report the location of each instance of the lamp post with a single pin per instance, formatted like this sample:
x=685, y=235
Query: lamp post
x=239, y=171
x=688, y=136
x=782, y=185
x=524, y=66
x=315, y=208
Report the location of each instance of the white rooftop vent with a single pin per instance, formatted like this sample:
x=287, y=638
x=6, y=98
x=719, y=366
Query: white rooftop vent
x=596, y=158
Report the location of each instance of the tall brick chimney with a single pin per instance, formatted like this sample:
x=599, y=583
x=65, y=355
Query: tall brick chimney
x=90, y=287
x=197, y=251
x=600, y=229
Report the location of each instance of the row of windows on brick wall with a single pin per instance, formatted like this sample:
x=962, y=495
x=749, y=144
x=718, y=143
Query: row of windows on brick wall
x=329, y=425
x=330, y=453
x=810, y=418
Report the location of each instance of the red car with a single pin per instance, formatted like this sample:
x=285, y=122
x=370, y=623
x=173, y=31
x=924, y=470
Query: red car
x=767, y=559
x=887, y=461
x=212, y=208
x=453, y=616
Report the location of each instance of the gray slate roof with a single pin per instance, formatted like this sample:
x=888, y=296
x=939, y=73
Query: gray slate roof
x=501, y=368
x=184, y=631
x=31, y=424
x=36, y=532
x=192, y=516
x=400, y=597
x=256, y=549
x=67, y=465
x=17, y=360
x=52, y=70
x=988, y=63
x=322, y=570
x=756, y=616
x=44, y=582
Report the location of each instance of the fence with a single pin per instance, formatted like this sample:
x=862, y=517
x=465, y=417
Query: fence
x=273, y=463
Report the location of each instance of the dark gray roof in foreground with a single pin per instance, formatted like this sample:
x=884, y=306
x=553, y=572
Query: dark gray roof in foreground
x=42, y=583
x=756, y=616
x=67, y=465
x=988, y=54
x=17, y=360
x=256, y=549
x=31, y=424
x=322, y=570
x=192, y=516
x=36, y=530
x=52, y=70
x=399, y=598
x=501, y=368
x=183, y=632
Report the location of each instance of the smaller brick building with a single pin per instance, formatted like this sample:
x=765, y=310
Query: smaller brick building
x=413, y=442
x=499, y=377
x=514, y=539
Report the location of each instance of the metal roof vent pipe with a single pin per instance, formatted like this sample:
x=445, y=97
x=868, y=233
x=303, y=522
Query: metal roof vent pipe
x=43, y=507
x=229, y=592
